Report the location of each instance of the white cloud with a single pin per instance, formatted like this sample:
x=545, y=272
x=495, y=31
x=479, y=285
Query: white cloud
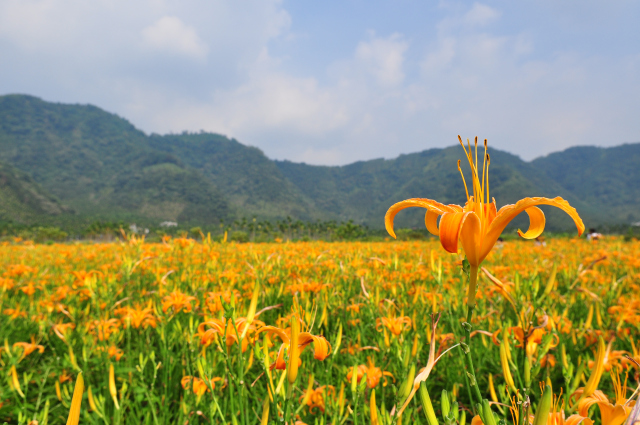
x=472, y=72
x=480, y=14
x=383, y=58
x=170, y=34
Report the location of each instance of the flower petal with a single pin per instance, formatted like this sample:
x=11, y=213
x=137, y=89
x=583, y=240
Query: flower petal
x=471, y=236
x=321, y=347
x=576, y=419
x=429, y=204
x=431, y=222
x=536, y=223
x=509, y=212
x=490, y=211
x=450, y=231
x=270, y=330
x=451, y=224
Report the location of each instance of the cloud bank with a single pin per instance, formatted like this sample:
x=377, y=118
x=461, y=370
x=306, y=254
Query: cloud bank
x=532, y=78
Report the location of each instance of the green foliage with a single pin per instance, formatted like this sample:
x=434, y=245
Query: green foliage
x=349, y=231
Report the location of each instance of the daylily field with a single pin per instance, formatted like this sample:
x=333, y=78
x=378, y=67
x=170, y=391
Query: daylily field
x=210, y=332
x=461, y=329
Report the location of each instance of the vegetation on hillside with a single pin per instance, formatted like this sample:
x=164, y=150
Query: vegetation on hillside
x=101, y=168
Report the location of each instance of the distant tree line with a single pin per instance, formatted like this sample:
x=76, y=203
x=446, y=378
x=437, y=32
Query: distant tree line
x=243, y=230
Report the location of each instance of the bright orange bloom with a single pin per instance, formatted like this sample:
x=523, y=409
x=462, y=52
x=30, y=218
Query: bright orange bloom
x=548, y=359
x=315, y=398
x=178, y=301
x=138, y=317
x=610, y=413
x=478, y=224
x=113, y=352
x=395, y=324
x=61, y=329
x=14, y=313
x=104, y=328
x=197, y=385
x=321, y=347
x=29, y=347
x=211, y=329
x=374, y=374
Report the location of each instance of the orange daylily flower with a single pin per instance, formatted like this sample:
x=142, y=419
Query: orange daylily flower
x=321, y=347
x=61, y=329
x=373, y=374
x=478, y=224
x=197, y=385
x=315, y=398
x=29, y=347
x=178, y=301
x=104, y=328
x=138, y=316
x=208, y=331
x=610, y=413
x=395, y=324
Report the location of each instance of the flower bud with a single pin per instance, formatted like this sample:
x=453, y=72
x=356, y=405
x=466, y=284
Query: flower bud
x=487, y=414
x=505, y=366
x=338, y=340
x=444, y=403
x=76, y=401
x=372, y=408
x=463, y=418
x=407, y=385
x=354, y=380
x=594, y=379
x=294, y=351
x=112, y=386
x=427, y=407
x=544, y=407
x=265, y=412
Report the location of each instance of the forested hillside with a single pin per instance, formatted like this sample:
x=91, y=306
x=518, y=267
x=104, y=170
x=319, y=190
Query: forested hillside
x=78, y=164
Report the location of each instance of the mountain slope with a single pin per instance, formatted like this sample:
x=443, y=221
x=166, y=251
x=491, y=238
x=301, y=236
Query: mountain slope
x=365, y=190
x=100, y=165
x=104, y=168
x=606, y=178
x=23, y=201
x=251, y=181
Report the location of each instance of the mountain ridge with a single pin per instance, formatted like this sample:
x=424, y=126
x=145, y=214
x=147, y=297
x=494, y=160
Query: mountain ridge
x=102, y=167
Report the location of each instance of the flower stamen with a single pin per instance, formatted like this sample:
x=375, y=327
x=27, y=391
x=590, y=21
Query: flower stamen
x=463, y=181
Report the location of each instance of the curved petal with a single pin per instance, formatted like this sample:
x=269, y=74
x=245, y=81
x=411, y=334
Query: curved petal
x=612, y=415
x=471, y=236
x=536, y=223
x=450, y=231
x=321, y=347
x=585, y=403
x=429, y=204
x=431, y=222
x=509, y=212
x=576, y=419
x=273, y=330
x=465, y=226
x=280, y=364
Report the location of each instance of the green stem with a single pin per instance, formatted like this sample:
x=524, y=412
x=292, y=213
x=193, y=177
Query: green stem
x=470, y=358
x=471, y=295
x=471, y=302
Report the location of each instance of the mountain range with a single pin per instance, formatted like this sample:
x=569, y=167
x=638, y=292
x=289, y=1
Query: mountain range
x=75, y=164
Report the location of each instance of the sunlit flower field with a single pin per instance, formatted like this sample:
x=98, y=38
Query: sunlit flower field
x=211, y=332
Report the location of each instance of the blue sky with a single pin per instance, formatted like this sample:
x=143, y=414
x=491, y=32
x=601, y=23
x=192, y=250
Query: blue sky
x=334, y=82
